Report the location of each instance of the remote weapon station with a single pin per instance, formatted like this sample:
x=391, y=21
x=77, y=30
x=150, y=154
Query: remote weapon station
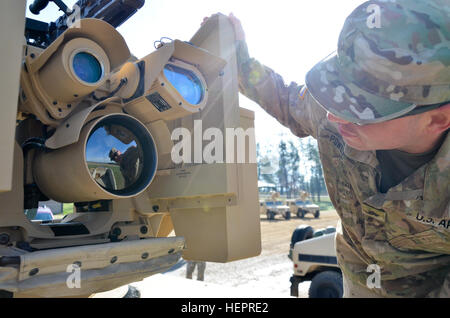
x=84, y=122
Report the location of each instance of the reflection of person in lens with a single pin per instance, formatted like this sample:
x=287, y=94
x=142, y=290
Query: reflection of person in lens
x=129, y=163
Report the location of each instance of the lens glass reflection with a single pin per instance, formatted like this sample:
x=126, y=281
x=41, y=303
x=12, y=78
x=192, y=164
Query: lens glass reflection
x=185, y=82
x=87, y=67
x=114, y=157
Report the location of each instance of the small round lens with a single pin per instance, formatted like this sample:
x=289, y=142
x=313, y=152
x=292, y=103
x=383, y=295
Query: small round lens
x=185, y=82
x=87, y=67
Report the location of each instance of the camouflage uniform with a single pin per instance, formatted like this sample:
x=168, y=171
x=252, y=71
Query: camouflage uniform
x=406, y=231
x=190, y=267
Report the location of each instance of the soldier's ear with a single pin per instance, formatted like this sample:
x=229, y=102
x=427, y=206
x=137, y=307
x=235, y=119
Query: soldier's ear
x=439, y=119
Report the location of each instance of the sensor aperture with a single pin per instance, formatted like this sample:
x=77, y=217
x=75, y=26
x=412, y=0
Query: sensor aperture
x=115, y=157
x=186, y=83
x=87, y=67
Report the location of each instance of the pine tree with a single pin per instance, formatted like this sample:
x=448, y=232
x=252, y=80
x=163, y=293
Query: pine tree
x=283, y=162
x=258, y=160
x=295, y=179
x=317, y=183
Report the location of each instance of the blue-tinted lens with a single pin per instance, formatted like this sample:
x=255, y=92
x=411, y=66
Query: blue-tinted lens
x=87, y=67
x=185, y=82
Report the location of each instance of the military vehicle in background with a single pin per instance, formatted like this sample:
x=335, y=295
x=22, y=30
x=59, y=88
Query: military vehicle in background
x=303, y=205
x=274, y=206
x=314, y=259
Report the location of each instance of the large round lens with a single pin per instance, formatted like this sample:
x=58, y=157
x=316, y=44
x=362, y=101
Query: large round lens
x=185, y=82
x=119, y=158
x=87, y=67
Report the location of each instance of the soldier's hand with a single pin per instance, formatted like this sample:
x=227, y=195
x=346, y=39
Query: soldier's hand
x=238, y=30
x=237, y=26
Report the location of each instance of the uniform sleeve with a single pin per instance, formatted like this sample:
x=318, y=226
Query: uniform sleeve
x=291, y=105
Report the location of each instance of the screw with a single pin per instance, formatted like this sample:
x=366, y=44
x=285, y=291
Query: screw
x=32, y=55
x=171, y=251
x=4, y=238
x=144, y=229
x=144, y=255
x=113, y=260
x=155, y=208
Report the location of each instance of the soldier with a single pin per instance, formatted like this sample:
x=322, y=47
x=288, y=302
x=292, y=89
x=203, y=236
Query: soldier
x=129, y=163
x=190, y=267
x=380, y=111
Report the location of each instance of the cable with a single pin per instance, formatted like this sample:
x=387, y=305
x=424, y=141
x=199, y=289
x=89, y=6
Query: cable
x=123, y=81
x=27, y=145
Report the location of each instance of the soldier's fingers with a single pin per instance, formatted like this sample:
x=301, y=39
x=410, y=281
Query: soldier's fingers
x=233, y=18
x=238, y=30
x=206, y=18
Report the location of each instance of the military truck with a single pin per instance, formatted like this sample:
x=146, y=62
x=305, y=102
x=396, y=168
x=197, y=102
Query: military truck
x=314, y=259
x=274, y=206
x=71, y=93
x=302, y=205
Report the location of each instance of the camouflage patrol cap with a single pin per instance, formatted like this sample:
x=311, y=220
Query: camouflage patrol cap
x=393, y=55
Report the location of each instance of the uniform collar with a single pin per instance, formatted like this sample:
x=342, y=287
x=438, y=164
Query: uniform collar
x=431, y=183
x=367, y=157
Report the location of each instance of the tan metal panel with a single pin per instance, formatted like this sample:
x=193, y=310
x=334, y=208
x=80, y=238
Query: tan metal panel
x=12, y=24
x=214, y=206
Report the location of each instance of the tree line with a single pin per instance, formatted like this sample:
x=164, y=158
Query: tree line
x=281, y=166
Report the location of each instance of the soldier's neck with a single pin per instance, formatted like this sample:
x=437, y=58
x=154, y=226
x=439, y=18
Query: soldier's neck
x=426, y=144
